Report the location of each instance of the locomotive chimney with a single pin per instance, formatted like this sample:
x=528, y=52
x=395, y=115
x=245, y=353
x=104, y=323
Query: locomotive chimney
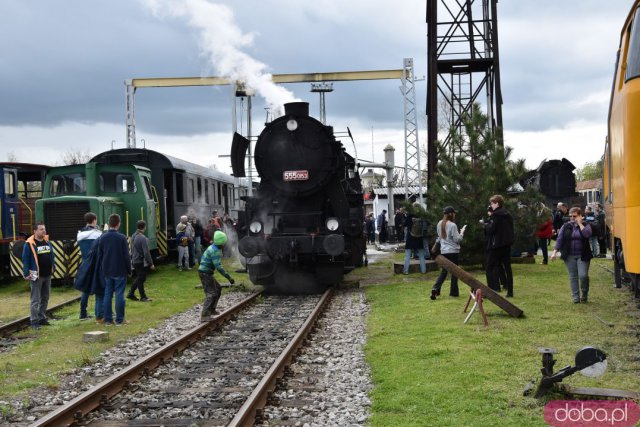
x=297, y=109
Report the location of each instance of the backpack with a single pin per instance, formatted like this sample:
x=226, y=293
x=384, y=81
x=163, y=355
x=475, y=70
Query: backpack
x=416, y=227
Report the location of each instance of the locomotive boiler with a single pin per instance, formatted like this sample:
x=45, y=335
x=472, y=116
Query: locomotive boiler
x=303, y=228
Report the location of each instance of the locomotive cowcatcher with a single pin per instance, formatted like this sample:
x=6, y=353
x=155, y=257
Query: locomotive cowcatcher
x=303, y=229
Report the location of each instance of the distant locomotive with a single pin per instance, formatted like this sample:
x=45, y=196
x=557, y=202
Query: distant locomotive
x=22, y=186
x=134, y=183
x=303, y=229
x=556, y=181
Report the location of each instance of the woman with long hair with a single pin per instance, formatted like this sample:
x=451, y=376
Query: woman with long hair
x=449, y=238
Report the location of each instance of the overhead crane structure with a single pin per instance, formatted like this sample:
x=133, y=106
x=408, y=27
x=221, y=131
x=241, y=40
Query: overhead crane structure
x=412, y=167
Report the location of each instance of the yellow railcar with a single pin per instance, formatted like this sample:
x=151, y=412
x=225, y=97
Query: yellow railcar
x=621, y=183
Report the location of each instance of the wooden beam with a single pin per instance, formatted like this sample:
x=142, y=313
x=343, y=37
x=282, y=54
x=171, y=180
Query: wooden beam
x=475, y=284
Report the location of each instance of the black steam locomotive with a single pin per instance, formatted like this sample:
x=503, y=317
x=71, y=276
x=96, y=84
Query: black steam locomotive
x=556, y=181
x=303, y=229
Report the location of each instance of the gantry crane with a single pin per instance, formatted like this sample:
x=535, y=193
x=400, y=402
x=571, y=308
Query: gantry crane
x=406, y=75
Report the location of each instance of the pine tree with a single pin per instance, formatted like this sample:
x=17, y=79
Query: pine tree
x=470, y=171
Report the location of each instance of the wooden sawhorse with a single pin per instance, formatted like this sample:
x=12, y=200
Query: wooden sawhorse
x=476, y=296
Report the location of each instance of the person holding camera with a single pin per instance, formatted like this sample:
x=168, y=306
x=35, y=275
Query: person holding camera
x=575, y=251
x=449, y=238
x=499, y=235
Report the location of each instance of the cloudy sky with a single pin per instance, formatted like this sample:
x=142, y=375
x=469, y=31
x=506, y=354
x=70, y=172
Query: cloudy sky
x=63, y=64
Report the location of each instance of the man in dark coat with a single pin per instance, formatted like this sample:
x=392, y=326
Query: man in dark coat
x=116, y=266
x=398, y=224
x=370, y=228
x=500, y=236
x=382, y=226
x=560, y=216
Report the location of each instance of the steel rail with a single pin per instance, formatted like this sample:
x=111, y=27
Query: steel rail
x=24, y=322
x=257, y=400
x=98, y=395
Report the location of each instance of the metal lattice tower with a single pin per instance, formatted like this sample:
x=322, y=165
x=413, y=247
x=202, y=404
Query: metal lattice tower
x=322, y=88
x=463, y=64
x=412, y=170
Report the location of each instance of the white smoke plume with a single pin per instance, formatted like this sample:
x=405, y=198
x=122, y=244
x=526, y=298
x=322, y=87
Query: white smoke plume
x=221, y=41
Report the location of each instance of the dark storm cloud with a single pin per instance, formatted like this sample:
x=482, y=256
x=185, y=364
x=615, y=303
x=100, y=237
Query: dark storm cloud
x=66, y=61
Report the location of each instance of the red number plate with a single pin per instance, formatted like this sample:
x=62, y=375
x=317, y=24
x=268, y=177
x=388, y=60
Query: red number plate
x=295, y=175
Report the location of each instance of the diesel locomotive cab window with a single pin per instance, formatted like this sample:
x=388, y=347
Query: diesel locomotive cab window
x=30, y=189
x=633, y=52
x=147, y=187
x=9, y=189
x=112, y=182
x=70, y=183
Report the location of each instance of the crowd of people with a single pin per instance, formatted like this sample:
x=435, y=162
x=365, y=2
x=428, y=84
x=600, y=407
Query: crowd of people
x=578, y=239
x=108, y=259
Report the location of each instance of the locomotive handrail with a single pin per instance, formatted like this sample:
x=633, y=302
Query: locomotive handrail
x=30, y=214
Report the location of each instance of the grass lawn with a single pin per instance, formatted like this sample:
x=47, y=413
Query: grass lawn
x=59, y=348
x=430, y=369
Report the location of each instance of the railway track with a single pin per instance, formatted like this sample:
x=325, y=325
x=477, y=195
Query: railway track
x=24, y=322
x=203, y=378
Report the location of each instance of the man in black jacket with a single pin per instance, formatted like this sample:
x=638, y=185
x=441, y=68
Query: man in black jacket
x=116, y=266
x=499, y=234
x=560, y=216
x=140, y=258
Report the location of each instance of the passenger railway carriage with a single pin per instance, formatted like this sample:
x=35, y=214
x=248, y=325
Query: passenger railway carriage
x=621, y=182
x=180, y=187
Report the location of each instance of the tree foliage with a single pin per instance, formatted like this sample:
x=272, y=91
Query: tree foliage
x=473, y=169
x=590, y=170
x=76, y=157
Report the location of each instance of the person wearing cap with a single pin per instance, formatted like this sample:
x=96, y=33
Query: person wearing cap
x=182, y=241
x=499, y=232
x=449, y=238
x=210, y=263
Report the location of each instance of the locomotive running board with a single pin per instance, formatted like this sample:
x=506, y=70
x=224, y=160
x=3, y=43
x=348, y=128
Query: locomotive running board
x=475, y=284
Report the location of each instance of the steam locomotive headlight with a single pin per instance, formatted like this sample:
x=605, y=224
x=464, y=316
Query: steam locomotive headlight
x=332, y=224
x=255, y=227
x=292, y=125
